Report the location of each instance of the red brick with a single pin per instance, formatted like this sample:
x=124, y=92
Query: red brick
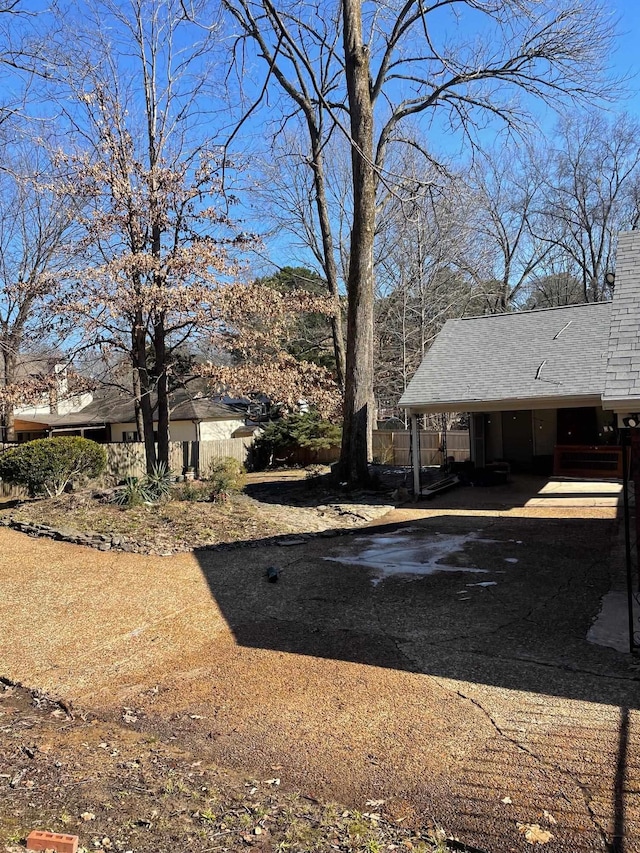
x=39, y=840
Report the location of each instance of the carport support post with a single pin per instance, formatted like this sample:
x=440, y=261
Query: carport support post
x=415, y=456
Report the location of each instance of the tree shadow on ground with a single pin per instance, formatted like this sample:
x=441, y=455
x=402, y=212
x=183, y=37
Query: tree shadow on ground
x=312, y=491
x=520, y=623
x=391, y=486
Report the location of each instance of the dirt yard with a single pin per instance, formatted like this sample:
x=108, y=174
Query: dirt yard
x=437, y=666
x=122, y=790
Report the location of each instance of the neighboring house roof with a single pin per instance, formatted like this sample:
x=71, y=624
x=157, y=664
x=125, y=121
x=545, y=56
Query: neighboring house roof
x=622, y=380
x=111, y=407
x=202, y=408
x=528, y=359
x=35, y=364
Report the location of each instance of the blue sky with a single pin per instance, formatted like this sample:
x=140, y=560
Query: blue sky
x=625, y=62
x=626, y=59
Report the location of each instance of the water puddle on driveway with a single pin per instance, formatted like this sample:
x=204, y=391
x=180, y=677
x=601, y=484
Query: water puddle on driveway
x=403, y=554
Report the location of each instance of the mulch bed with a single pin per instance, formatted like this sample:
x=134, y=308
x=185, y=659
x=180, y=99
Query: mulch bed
x=272, y=511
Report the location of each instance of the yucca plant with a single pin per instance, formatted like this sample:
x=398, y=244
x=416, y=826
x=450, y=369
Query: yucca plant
x=158, y=482
x=131, y=494
x=151, y=489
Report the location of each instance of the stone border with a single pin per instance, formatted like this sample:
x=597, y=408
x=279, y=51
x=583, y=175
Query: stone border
x=104, y=542
x=65, y=534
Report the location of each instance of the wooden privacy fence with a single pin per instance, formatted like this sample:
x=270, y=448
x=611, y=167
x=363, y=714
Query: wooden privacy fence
x=389, y=448
x=127, y=459
x=394, y=448
x=7, y=490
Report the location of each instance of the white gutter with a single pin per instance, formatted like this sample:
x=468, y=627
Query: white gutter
x=502, y=405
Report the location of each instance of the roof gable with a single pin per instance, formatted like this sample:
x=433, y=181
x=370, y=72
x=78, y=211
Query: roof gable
x=521, y=356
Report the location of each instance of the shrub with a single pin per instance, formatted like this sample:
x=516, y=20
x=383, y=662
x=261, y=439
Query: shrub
x=193, y=492
x=49, y=465
x=306, y=430
x=226, y=476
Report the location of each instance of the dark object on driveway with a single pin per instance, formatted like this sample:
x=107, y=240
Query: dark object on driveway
x=273, y=573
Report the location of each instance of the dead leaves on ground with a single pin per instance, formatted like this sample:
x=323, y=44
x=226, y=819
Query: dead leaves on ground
x=534, y=833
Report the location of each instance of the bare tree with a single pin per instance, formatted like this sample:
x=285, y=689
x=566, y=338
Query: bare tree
x=288, y=54
x=288, y=204
x=505, y=190
x=34, y=223
x=424, y=245
x=366, y=70
x=554, y=289
x=156, y=236
x=591, y=180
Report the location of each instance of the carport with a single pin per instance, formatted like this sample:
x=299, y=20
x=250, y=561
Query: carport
x=550, y=391
x=532, y=384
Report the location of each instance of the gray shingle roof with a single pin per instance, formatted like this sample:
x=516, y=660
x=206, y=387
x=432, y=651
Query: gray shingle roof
x=622, y=380
x=112, y=406
x=555, y=353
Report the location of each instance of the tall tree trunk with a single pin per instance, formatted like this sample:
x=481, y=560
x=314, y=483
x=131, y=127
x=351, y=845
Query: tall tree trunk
x=10, y=424
x=162, y=389
x=9, y=376
x=146, y=409
x=359, y=405
x=137, y=394
x=330, y=270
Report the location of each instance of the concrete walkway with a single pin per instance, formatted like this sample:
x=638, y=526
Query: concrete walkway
x=463, y=692
x=578, y=493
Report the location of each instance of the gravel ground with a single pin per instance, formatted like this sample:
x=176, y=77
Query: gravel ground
x=468, y=701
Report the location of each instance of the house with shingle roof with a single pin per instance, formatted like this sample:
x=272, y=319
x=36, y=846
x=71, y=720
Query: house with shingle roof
x=546, y=390
x=109, y=416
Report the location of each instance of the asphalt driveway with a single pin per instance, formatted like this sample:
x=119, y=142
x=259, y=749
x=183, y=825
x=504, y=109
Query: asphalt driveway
x=463, y=692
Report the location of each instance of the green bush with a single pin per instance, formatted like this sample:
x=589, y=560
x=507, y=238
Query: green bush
x=49, y=465
x=306, y=430
x=226, y=476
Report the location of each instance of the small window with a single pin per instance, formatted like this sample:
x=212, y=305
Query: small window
x=130, y=435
